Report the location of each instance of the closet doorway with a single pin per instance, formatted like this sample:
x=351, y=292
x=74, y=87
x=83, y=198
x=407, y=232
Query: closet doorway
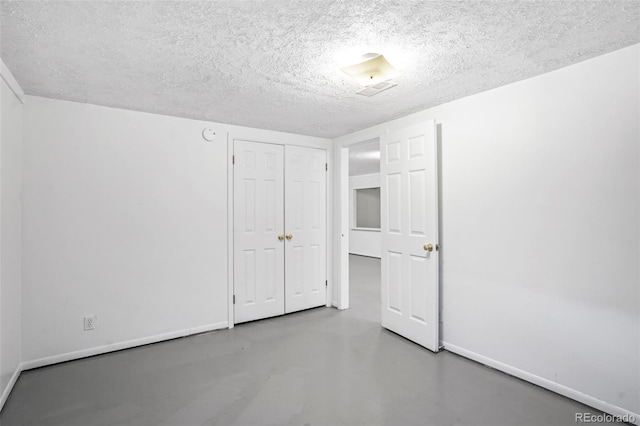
x=280, y=229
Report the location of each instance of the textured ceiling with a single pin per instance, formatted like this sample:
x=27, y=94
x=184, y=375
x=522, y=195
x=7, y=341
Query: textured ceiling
x=274, y=64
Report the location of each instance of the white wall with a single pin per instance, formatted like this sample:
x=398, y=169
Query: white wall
x=540, y=228
x=10, y=234
x=363, y=242
x=125, y=217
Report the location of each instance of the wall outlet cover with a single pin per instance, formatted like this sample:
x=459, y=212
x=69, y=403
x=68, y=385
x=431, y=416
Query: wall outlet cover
x=90, y=322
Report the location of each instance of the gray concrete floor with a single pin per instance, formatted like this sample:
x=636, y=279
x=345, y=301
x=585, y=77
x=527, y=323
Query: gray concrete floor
x=317, y=367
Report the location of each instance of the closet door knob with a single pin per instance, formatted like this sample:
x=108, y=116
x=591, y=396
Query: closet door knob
x=289, y=237
x=428, y=247
x=281, y=237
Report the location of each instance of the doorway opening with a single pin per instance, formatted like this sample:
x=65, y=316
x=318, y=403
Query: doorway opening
x=364, y=228
x=408, y=228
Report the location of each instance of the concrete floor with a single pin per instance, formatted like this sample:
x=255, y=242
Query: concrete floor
x=318, y=367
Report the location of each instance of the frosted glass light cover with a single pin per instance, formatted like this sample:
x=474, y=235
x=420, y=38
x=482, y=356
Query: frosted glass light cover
x=371, y=71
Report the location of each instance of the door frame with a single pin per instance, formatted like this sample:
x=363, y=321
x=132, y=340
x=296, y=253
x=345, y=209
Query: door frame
x=342, y=213
x=284, y=139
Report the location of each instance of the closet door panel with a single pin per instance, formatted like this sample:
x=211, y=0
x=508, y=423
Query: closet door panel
x=258, y=221
x=305, y=227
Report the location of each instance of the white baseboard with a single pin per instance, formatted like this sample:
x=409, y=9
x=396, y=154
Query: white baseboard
x=544, y=383
x=69, y=356
x=6, y=391
x=336, y=305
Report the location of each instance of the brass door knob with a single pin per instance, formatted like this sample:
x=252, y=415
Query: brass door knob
x=281, y=237
x=428, y=247
x=289, y=237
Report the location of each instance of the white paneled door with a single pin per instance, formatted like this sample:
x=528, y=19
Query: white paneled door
x=409, y=227
x=258, y=246
x=305, y=222
x=279, y=263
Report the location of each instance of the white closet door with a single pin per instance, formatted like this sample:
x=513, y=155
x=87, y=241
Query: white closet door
x=409, y=228
x=305, y=226
x=258, y=221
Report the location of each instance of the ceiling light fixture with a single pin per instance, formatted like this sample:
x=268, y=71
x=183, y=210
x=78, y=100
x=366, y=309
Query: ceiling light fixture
x=374, y=72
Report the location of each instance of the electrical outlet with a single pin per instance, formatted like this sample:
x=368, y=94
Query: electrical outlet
x=90, y=322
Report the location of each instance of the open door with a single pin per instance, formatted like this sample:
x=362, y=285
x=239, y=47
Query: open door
x=409, y=231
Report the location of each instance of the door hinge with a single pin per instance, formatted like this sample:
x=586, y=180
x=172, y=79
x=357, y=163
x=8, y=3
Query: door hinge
x=326, y=283
x=233, y=159
x=234, y=299
x=326, y=166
